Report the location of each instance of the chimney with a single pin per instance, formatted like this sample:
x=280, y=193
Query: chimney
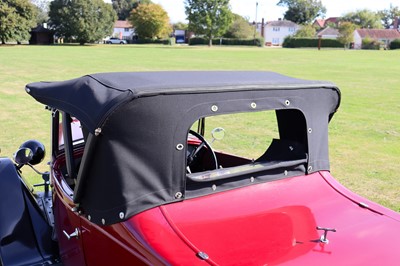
x=396, y=23
x=262, y=27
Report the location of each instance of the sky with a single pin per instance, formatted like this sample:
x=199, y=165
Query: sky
x=268, y=9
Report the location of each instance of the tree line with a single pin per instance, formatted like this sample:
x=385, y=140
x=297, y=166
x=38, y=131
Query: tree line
x=87, y=21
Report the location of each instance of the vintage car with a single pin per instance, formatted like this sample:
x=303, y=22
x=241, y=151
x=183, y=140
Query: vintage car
x=188, y=168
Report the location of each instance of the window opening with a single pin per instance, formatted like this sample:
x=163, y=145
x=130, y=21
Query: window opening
x=250, y=142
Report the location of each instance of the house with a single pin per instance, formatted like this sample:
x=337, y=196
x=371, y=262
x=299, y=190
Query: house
x=124, y=30
x=180, y=36
x=41, y=35
x=328, y=33
x=323, y=23
x=275, y=32
x=386, y=36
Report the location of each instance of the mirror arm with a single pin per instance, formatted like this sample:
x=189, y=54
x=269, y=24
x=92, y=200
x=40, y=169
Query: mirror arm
x=34, y=169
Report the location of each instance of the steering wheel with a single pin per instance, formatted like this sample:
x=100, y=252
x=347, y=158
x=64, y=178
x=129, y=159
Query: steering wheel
x=192, y=155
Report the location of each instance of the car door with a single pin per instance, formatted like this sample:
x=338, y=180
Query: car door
x=67, y=219
x=69, y=232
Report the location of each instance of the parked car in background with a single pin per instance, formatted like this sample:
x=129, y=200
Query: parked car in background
x=188, y=168
x=116, y=41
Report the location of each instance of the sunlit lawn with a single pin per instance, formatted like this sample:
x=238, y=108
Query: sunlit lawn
x=364, y=135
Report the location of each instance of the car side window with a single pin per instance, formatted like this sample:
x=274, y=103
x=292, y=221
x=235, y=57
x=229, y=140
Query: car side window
x=243, y=138
x=247, y=142
x=76, y=130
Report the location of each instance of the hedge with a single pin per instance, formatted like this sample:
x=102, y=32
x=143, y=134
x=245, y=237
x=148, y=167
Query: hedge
x=395, y=44
x=227, y=41
x=152, y=41
x=291, y=42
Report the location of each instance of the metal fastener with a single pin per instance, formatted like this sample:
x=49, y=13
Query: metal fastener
x=89, y=217
x=178, y=195
x=253, y=105
x=310, y=130
x=309, y=168
x=324, y=238
x=121, y=215
x=202, y=255
x=214, y=108
x=103, y=221
x=286, y=172
x=214, y=187
x=287, y=102
x=179, y=147
x=97, y=131
x=252, y=179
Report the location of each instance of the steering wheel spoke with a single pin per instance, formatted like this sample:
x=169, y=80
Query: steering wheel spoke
x=192, y=156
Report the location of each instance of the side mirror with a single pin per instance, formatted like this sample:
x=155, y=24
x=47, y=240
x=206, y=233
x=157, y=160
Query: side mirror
x=30, y=152
x=23, y=156
x=217, y=133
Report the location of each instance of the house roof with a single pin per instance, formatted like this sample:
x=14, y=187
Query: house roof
x=328, y=31
x=332, y=20
x=122, y=24
x=322, y=22
x=41, y=29
x=379, y=33
x=319, y=22
x=281, y=23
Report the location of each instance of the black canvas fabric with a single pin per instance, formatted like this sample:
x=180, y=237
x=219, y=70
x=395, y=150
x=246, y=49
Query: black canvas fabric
x=144, y=116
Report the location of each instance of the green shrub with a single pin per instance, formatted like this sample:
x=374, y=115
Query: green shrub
x=292, y=42
x=395, y=44
x=150, y=41
x=370, y=44
x=227, y=41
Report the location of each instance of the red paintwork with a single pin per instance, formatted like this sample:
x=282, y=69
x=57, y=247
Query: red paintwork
x=262, y=224
x=274, y=223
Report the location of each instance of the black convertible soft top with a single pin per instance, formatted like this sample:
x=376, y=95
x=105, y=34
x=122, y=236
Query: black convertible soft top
x=144, y=116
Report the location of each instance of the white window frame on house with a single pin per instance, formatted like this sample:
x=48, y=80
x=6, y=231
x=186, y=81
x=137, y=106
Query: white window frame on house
x=275, y=41
x=292, y=29
x=276, y=29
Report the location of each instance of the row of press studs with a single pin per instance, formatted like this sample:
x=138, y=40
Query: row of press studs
x=103, y=221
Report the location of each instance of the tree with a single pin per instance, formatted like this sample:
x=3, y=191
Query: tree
x=346, y=33
x=208, y=17
x=180, y=26
x=388, y=15
x=302, y=11
x=86, y=21
x=17, y=18
x=363, y=18
x=124, y=7
x=306, y=31
x=150, y=21
x=240, y=28
x=42, y=7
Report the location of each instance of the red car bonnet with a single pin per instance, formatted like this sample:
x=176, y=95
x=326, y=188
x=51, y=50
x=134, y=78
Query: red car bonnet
x=272, y=223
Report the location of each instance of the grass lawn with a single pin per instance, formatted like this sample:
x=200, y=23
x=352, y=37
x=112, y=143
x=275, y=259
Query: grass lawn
x=364, y=134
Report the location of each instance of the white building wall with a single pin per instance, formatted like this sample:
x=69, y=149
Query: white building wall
x=357, y=40
x=124, y=33
x=275, y=35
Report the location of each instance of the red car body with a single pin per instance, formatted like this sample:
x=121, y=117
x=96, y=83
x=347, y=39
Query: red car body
x=206, y=206
x=250, y=226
